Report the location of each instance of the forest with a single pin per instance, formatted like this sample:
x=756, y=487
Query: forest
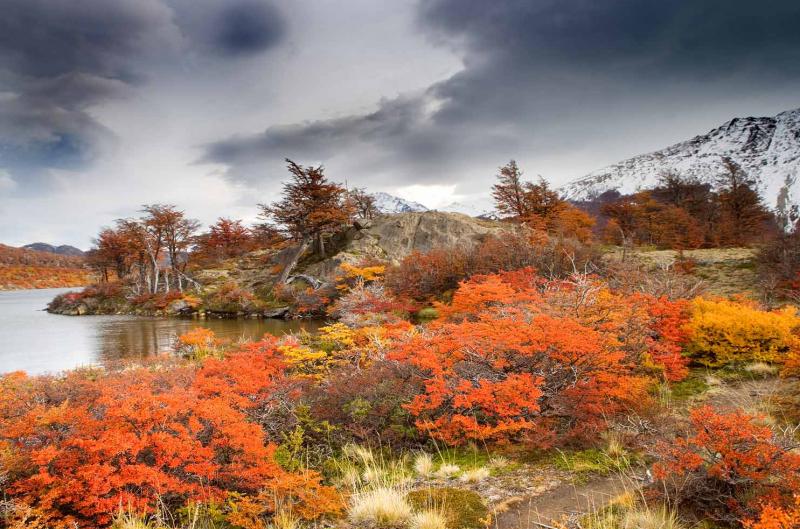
x=456, y=388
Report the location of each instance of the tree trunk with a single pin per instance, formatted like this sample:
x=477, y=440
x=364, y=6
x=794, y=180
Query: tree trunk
x=287, y=270
x=321, y=245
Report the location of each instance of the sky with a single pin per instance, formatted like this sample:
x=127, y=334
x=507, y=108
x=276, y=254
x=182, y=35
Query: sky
x=106, y=105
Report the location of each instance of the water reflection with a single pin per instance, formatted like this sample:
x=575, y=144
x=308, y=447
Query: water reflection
x=37, y=342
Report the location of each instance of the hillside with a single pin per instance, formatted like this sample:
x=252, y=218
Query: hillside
x=767, y=148
x=22, y=268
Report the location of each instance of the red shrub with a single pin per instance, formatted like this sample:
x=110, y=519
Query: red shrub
x=729, y=467
x=142, y=436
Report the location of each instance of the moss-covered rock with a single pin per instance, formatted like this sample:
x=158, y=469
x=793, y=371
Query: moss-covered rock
x=464, y=509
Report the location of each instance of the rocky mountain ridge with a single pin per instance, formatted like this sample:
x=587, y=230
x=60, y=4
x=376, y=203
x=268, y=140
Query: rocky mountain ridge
x=767, y=148
x=63, y=249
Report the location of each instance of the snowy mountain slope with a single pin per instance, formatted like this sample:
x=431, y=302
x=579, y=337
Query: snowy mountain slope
x=386, y=203
x=477, y=208
x=767, y=148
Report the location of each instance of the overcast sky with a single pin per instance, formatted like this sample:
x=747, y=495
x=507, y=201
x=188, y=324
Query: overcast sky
x=106, y=105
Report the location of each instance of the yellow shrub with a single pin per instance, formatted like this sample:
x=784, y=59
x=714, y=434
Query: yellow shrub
x=726, y=332
x=336, y=336
x=358, y=274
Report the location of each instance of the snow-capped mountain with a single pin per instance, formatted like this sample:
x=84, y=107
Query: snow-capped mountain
x=386, y=203
x=767, y=148
x=478, y=208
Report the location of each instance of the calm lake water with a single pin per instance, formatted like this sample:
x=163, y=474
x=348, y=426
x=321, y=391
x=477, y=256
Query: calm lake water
x=37, y=342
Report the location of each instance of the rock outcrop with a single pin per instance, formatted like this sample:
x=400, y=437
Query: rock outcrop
x=393, y=237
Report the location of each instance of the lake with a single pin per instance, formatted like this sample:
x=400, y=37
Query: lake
x=37, y=342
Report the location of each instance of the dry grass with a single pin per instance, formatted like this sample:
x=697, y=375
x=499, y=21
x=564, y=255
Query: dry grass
x=474, y=475
x=382, y=507
x=423, y=464
x=128, y=520
x=429, y=519
x=761, y=369
x=448, y=470
x=725, y=271
x=498, y=462
x=647, y=518
x=285, y=520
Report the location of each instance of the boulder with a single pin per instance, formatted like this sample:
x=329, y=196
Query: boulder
x=279, y=312
x=179, y=306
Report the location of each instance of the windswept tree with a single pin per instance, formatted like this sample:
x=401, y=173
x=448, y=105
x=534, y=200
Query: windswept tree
x=538, y=206
x=509, y=192
x=149, y=252
x=312, y=207
x=362, y=202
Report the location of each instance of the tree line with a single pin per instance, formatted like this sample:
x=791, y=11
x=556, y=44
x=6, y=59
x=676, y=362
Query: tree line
x=152, y=252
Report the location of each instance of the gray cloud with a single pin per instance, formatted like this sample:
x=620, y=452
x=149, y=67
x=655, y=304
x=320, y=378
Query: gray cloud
x=625, y=36
x=534, y=71
x=249, y=27
x=59, y=60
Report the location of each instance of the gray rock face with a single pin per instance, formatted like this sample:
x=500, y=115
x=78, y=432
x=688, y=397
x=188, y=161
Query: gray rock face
x=393, y=237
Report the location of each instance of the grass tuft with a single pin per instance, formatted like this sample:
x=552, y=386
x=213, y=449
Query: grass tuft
x=448, y=470
x=429, y=519
x=423, y=464
x=474, y=475
x=384, y=507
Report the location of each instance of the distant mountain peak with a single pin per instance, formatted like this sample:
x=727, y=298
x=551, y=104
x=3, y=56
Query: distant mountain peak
x=63, y=249
x=767, y=148
x=386, y=203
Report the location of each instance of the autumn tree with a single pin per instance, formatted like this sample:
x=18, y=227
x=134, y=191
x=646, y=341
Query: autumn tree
x=509, y=192
x=742, y=214
x=538, y=206
x=111, y=252
x=524, y=201
x=362, y=202
x=641, y=219
x=225, y=238
x=168, y=229
x=312, y=207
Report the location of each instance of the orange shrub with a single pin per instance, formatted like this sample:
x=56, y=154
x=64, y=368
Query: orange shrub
x=729, y=467
x=78, y=448
x=506, y=363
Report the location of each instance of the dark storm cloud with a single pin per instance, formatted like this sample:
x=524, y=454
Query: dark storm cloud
x=320, y=139
x=59, y=59
x=624, y=36
x=532, y=67
x=249, y=27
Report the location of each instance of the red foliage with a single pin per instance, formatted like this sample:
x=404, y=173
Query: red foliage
x=84, y=446
x=505, y=369
x=670, y=333
x=730, y=466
